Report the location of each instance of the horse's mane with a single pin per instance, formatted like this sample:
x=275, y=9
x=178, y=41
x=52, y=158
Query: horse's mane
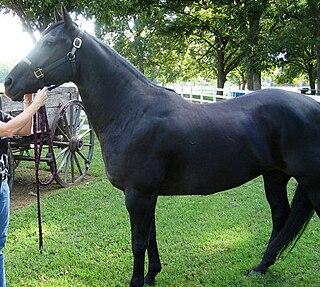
x=50, y=27
x=122, y=60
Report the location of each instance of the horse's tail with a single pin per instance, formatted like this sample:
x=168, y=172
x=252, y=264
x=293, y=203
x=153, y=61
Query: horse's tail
x=298, y=219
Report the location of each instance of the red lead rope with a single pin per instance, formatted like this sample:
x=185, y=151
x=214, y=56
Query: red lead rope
x=37, y=155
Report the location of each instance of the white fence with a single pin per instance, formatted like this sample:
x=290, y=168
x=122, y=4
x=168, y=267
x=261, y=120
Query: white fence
x=206, y=94
x=209, y=94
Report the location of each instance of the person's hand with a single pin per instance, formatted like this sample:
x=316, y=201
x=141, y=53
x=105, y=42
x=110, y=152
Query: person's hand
x=27, y=99
x=41, y=97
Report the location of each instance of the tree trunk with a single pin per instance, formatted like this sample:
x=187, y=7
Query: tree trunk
x=254, y=80
x=243, y=82
x=254, y=13
x=315, y=13
x=318, y=69
x=221, y=75
x=312, y=81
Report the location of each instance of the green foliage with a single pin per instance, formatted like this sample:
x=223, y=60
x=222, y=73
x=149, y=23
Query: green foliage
x=182, y=40
x=36, y=15
x=293, y=44
x=5, y=68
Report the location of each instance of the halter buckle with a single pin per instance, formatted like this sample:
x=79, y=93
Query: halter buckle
x=77, y=42
x=38, y=73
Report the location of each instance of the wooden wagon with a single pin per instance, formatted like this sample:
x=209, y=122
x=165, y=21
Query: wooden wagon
x=71, y=133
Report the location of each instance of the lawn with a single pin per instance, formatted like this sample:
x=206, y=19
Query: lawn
x=203, y=240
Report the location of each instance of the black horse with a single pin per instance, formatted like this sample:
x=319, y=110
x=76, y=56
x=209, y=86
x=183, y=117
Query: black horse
x=156, y=143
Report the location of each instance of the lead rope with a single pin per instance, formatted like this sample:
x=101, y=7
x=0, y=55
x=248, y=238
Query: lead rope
x=37, y=155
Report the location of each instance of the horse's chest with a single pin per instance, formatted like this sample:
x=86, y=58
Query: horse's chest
x=123, y=162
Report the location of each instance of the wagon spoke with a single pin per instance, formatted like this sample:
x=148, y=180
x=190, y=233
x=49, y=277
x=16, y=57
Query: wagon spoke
x=77, y=121
x=63, y=133
x=85, y=159
x=67, y=126
x=61, y=152
x=75, y=113
x=81, y=124
x=66, y=154
x=85, y=133
x=66, y=171
x=72, y=166
x=58, y=143
x=78, y=164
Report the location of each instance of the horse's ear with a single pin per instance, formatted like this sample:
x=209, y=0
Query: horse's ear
x=66, y=17
x=57, y=15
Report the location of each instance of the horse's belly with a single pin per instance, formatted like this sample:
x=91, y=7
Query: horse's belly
x=204, y=180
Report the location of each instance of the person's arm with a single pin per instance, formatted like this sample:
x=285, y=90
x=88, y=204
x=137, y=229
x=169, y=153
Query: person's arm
x=26, y=130
x=21, y=124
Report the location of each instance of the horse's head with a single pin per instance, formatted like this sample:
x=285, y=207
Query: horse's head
x=52, y=60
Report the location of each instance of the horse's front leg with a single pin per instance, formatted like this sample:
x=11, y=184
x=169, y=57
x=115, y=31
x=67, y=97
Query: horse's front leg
x=153, y=255
x=141, y=208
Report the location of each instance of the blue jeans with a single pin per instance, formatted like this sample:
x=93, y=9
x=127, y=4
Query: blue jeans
x=4, y=222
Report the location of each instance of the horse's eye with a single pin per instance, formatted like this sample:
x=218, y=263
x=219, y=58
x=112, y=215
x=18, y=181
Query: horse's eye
x=49, y=43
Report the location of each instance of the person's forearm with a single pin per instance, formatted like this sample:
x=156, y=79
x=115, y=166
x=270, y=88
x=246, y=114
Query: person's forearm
x=21, y=124
x=27, y=129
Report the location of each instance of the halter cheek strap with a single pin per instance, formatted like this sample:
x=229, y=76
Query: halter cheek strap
x=40, y=73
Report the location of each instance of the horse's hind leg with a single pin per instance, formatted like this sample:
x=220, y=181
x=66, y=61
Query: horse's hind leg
x=300, y=214
x=314, y=197
x=275, y=185
x=153, y=255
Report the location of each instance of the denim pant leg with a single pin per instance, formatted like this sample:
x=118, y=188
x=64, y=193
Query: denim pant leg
x=4, y=222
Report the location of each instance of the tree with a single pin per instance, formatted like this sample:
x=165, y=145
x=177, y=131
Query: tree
x=172, y=40
x=201, y=35
x=35, y=15
x=293, y=40
x=313, y=10
x=253, y=18
x=150, y=50
x=5, y=68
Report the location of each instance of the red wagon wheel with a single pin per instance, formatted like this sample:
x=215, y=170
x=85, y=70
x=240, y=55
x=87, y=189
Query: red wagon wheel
x=73, y=142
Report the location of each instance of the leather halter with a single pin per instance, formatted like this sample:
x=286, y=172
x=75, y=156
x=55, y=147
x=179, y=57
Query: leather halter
x=70, y=57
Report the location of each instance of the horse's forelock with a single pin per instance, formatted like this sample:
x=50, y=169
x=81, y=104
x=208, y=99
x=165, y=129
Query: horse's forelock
x=52, y=26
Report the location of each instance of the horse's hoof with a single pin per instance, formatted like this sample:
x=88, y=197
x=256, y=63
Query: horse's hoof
x=150, y=278
x=149, y=281
x=254, y=273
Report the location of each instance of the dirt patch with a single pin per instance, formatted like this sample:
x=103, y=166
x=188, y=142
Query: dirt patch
x=23, y=191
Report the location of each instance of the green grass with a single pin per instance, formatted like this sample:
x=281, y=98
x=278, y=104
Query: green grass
x=203, y=240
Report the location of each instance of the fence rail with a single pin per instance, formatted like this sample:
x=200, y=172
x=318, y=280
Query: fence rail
x=209, y=94
x=206, y=94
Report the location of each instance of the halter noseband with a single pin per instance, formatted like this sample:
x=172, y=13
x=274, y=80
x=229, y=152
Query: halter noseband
x=39, y=73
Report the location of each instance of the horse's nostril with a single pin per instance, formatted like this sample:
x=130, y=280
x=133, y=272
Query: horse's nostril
x=8, y=82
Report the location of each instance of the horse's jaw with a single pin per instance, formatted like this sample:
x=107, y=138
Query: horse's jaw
x=14, y=94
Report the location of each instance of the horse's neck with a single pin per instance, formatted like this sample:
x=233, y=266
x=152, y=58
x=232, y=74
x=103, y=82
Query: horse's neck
x=109, y=86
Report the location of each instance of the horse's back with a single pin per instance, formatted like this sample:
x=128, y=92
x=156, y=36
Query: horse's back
x=219, y=146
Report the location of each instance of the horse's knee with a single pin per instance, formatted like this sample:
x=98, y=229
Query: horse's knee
x=139, y=247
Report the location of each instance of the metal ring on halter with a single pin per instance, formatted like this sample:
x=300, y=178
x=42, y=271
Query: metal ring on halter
x=71, y=56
